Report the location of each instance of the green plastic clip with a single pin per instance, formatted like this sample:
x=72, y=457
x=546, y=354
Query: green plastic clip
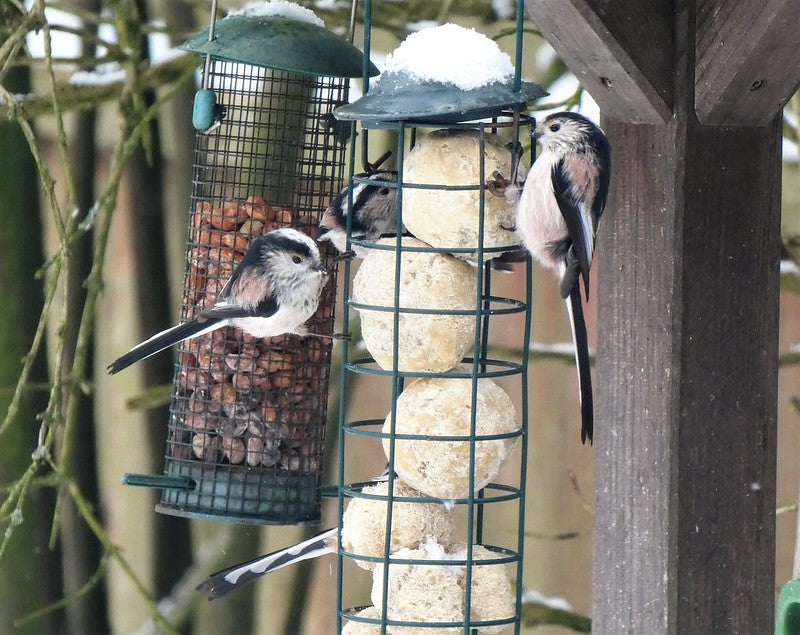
x=205, y=111
x=787, y=621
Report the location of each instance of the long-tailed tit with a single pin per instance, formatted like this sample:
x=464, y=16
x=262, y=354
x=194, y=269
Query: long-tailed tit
x=374, y=212
x=374, y=215
x=557, y=215
x=273, y=290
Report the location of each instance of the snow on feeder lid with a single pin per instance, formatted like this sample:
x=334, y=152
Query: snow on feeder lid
x=442, y=74
x=282, y=36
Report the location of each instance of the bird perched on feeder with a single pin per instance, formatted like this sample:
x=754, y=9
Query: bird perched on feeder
x=374, y=213
x=273, y=290
x=558, y=211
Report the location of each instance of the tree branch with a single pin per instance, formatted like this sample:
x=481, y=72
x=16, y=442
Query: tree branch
x=539, y=613
x=72, y=97
x=65, y=391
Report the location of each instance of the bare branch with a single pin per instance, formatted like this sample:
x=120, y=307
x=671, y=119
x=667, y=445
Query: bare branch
x=72, y=97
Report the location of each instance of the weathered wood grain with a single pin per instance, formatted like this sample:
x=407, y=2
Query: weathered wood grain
x=637, y=389
x=621, y=52
x=748, y=59
x=728, y=379
x=687, y=381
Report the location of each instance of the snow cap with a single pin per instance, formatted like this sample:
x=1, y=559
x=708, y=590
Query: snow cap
x=451, y=54
x=279, y=9
x=443, y=74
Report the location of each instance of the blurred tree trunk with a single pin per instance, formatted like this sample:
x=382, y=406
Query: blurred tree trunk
x=30, y=572
x=171, y=547
x=81, y=552
x=178, y=138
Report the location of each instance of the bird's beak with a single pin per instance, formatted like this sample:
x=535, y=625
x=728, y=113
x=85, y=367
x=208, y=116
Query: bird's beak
x=536, y=133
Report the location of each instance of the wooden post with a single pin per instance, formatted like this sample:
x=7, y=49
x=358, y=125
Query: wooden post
x=685, y=454
x=689, y=248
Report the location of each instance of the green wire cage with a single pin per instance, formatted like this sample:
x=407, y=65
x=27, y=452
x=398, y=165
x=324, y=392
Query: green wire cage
x=450, y=424
x=247, y=417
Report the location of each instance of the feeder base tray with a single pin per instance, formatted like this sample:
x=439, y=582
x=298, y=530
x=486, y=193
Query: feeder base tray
x=232, y=493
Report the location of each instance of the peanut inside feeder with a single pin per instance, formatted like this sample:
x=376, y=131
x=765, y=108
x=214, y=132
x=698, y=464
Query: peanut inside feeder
x=248, y=400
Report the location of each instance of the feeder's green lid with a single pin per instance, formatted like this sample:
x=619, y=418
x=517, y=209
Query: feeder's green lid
x=280, y=43
x=400, y=97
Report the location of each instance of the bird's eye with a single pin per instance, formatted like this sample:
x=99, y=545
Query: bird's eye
x=384, y=191
x=555, y=127
x=297, y=259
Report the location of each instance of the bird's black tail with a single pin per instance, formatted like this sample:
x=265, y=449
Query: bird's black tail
x=163, y=340
x=575, y=310
x=224, y=581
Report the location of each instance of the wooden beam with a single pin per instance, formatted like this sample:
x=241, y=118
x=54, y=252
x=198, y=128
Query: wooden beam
x=634, y=554
x=621, y=52
x=688, y=299
x=687, y=369
x=748, y=60
x=728, y=365
x=687, y=381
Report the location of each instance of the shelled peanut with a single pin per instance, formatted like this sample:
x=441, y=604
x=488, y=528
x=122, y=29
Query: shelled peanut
x=244, y=400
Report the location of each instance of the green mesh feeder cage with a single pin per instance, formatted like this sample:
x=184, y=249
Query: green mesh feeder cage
x=429, y=314
x=247, y=416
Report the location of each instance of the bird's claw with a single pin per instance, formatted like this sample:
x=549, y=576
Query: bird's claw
x=372, y=168
x=516, y=150
x=345, y=255
x=497, y=184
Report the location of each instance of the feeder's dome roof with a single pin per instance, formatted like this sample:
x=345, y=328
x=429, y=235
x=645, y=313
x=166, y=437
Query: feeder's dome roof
x=443, y=74
x=280, y=41
x=401, y=97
